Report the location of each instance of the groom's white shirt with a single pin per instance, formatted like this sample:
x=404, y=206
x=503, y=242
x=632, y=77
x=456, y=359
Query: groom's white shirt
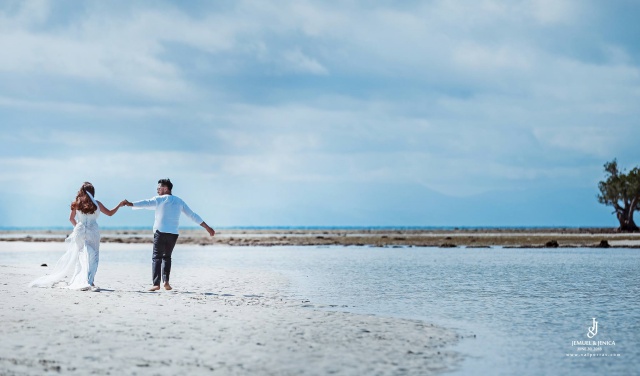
x=168, y=209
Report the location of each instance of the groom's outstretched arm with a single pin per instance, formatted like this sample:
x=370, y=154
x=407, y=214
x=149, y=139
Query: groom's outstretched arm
x=211, y=231
x=196, y=218
x=146, y=204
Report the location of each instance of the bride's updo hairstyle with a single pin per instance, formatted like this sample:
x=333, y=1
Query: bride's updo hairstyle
x=83, y=201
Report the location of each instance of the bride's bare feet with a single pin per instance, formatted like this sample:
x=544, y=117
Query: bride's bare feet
x=154, y=288
x=167, y=286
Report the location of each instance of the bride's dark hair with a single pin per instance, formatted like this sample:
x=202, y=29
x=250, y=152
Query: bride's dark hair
x=82, y=201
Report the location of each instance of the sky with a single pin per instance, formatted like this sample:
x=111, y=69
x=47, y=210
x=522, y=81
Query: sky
x=319, y=113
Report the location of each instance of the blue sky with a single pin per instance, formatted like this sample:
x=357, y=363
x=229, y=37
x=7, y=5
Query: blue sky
x=423, y=113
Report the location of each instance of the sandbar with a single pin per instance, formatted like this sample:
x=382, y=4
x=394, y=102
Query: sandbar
x=215, y=321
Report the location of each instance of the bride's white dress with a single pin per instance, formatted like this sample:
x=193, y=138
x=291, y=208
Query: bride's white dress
x=78, y=266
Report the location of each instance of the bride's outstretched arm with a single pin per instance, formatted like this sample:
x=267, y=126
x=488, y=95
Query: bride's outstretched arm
x=108, y=212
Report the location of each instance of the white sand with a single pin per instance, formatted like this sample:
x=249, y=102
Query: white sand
x=216, y=321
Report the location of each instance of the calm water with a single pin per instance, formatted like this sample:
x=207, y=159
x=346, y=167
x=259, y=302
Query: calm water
x=525, y=306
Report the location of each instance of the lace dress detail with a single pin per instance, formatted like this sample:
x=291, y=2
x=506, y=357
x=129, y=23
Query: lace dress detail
x=78, y=265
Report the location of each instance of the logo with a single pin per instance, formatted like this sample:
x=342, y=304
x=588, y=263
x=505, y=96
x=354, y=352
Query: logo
x=591, y=348
x=593, y=329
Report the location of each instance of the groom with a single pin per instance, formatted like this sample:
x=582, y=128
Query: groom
x=165, y=228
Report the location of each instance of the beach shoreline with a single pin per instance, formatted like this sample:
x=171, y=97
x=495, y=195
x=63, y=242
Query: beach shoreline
x=376, y=237
x=215, y=321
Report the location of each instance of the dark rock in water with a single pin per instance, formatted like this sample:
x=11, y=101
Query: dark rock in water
x=447, y=245
x=603, y=244
x=552, y=244
x=45, y=265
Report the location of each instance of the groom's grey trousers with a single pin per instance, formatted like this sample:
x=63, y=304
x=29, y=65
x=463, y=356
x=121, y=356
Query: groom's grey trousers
x=163, y=244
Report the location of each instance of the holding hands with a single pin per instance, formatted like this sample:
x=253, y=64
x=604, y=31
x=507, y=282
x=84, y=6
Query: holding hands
x=125, y=202
x=211, y=231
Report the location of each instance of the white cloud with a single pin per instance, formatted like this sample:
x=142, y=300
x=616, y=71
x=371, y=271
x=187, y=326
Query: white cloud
x=555, y=11
x=460, y=97
x=483, y=59
x=124, y=51
x=299, y=62
x=597, y=141
x=54, y=106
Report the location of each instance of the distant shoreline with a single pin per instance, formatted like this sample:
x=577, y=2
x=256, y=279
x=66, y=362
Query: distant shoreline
x=365, y=236
x=333, y=228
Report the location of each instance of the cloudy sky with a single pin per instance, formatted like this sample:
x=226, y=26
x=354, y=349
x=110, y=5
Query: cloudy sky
x=423, y=113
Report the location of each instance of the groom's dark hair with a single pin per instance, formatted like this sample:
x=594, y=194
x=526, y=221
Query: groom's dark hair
x=166, y=183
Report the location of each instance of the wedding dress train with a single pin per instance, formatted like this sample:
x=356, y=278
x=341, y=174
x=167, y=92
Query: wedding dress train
x=79, y=264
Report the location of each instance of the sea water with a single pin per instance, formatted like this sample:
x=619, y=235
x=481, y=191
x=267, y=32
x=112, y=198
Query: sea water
x=521, y=311
x=529, y=309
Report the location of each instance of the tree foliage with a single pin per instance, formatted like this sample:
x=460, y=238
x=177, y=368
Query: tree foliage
x=622, y=191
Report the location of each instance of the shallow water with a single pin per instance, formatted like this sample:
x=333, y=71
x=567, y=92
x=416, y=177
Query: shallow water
x=525, y=306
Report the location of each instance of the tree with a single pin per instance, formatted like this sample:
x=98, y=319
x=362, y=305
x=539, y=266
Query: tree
x=622, y=191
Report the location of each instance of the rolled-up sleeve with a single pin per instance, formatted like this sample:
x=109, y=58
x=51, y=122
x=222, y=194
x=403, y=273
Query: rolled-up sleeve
x=145, y=204
x=189, y=213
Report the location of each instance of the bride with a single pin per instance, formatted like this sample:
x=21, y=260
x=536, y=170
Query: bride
x=80, y=262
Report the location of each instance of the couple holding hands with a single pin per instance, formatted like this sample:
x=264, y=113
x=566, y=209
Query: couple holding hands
x=80, y=262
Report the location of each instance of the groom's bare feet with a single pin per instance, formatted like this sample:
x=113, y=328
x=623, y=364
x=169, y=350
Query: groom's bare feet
x=167, y=286
x=154, y=288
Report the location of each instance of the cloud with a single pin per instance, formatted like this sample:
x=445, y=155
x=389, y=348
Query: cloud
x=555, y=11
x=303, y=63
x=456, y=99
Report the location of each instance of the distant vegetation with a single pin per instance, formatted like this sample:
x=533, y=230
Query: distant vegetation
x=622, y=191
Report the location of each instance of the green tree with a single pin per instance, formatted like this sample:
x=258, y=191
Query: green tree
x=622, y=191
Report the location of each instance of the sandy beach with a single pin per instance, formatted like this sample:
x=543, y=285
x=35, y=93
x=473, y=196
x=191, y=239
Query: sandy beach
x=224, y=320
x=215, y=321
